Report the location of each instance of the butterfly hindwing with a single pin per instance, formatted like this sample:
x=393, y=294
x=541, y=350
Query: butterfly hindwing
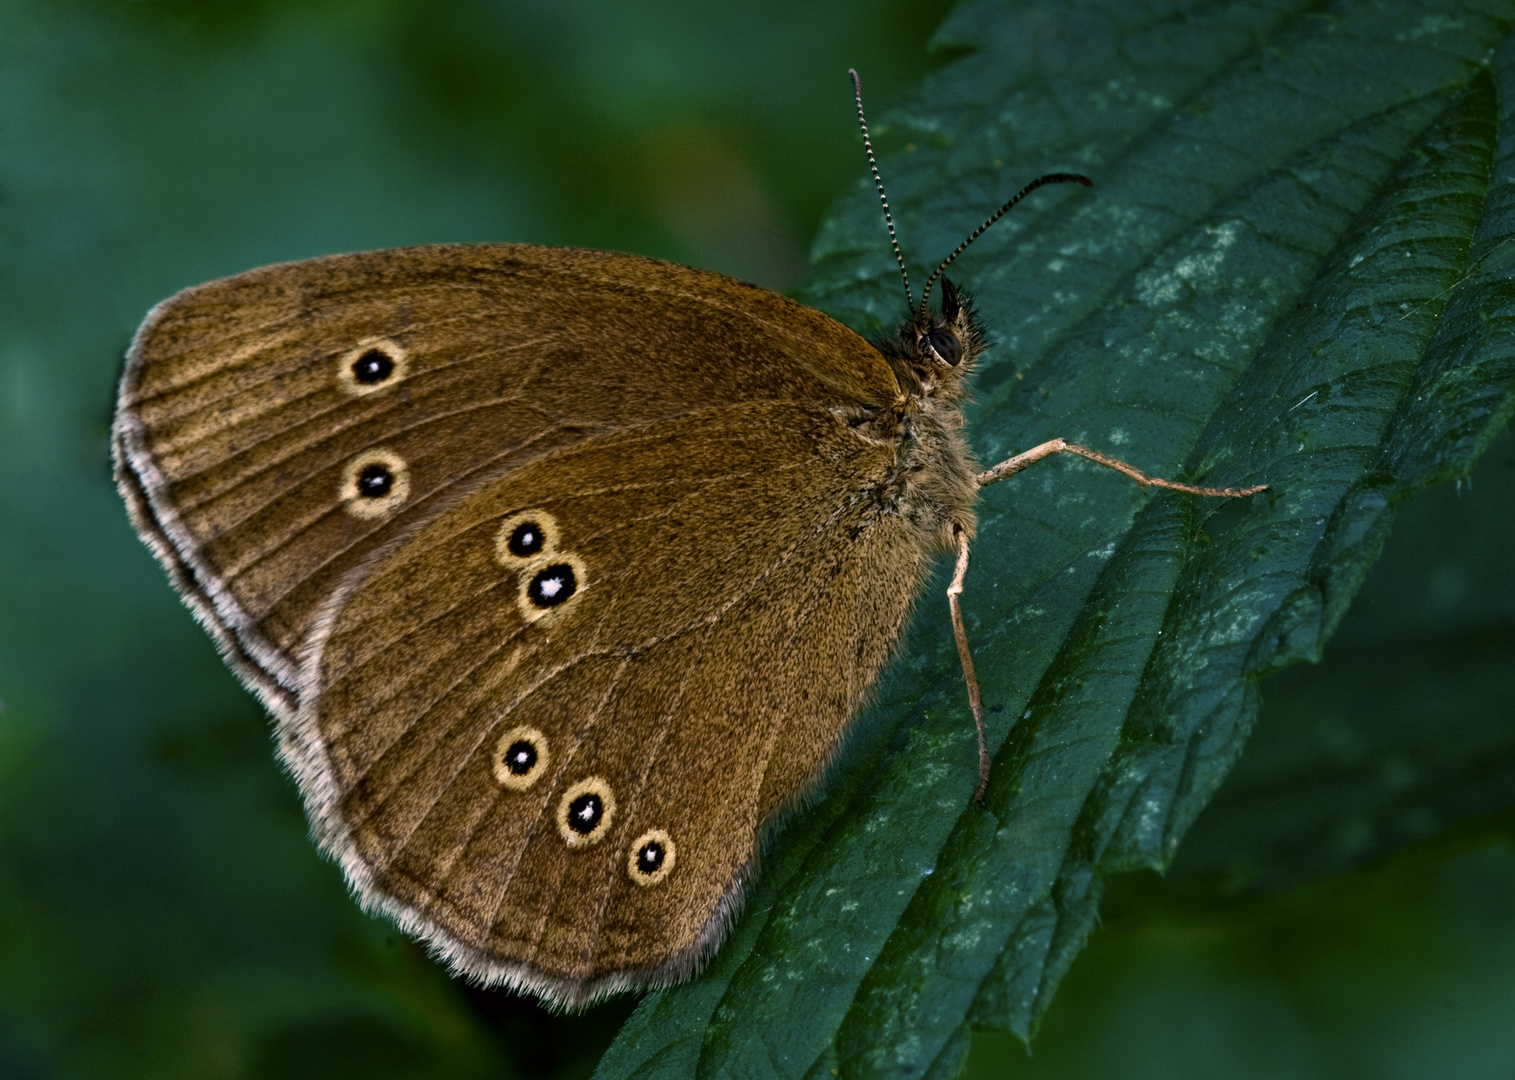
x=702, y=673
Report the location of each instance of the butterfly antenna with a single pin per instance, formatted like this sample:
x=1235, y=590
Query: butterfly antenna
x=857, y=93
x=1050, y=178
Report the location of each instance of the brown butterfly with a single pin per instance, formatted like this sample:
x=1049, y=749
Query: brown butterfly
x=563, y=572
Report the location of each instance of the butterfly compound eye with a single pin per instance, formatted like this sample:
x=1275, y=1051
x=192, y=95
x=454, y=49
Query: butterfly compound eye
x=585, y=812
x=945, y=345
x=651, y=858
x=520, y=758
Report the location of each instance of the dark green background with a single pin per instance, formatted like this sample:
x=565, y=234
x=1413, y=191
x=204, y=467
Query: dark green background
x=1346, y=907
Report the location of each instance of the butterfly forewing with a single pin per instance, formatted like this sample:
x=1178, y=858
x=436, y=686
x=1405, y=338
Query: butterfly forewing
x=241, y=415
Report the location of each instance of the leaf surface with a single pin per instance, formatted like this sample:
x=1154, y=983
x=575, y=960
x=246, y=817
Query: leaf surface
x=1403, y=731
x=1294, y=269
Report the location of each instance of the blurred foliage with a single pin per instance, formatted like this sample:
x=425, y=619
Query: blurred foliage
x=1404, y=730
x=1393, y=972
x=161, y=912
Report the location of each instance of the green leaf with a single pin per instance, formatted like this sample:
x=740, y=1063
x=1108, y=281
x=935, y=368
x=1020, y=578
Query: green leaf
x=1293, y=270
x=1405, y=728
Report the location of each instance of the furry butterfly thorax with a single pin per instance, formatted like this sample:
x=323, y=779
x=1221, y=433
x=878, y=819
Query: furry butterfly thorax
x=933, y=485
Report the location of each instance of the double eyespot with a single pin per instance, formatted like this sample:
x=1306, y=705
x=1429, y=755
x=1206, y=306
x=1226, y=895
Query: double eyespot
x=547, y=579
x=585, y=812
x=374, y=483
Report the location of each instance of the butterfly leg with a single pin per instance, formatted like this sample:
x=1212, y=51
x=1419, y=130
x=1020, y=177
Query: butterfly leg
x=960, y=632
x=1008, y=468
x=1011, y=466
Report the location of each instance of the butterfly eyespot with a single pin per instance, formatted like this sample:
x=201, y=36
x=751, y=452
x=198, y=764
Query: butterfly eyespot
x=375, y=364
x=520, y=758
x=585, y=812
x=375, y=483
x=524, y=537
x=550, y=585
x=651, y=858
x=372, y=367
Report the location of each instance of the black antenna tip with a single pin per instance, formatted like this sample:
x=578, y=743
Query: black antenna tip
x=1040, y=181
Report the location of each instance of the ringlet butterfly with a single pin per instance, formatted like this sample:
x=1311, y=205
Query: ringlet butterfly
x=563, y=572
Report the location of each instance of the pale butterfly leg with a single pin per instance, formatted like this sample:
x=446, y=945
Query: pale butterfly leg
x=960, y=632
x=1011, y=466
x=1007, y=468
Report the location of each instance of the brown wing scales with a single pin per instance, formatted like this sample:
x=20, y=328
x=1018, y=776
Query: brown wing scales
x=701, y=506
x=233, y=429
x=649, y=683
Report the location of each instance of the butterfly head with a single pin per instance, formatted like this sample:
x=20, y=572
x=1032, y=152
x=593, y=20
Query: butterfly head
x=939, y=347
x=948, y=338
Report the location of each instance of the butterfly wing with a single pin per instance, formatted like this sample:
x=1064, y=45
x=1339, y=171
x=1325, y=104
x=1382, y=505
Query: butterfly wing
x=722, y=630
x=241, y=420
x=564, y=572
